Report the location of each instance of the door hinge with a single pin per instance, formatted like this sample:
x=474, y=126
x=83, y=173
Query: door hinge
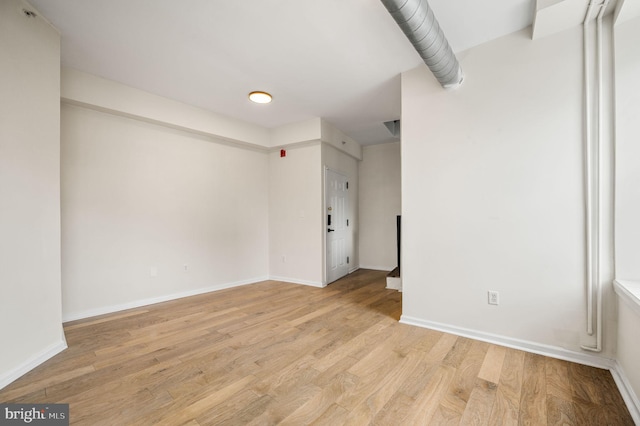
x=347, y=185
x=347, y=222
x=347, y=259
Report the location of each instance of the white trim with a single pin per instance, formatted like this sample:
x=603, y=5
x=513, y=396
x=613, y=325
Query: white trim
x=619, y=376
x=295, y=145
x=394, y=283
x=378, y=268
x=151, y=301
x=32, y=363
x=323, y=221
x=211, y=137
x=109, y=95
x=629, y=292
x=626, y=390
x=524, y=345
x=342, y=150
x=325, y=248
x=297, y=281
x=222, y=140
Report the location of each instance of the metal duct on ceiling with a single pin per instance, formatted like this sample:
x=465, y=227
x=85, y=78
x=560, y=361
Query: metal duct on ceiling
x=419, y=24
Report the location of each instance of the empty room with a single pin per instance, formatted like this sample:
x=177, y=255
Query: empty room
x=394, y=212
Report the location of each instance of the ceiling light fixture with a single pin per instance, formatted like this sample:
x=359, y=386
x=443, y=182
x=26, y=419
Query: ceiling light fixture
x=260, y=97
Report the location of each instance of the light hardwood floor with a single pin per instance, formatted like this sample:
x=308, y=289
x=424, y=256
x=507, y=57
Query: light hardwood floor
x=278, y=353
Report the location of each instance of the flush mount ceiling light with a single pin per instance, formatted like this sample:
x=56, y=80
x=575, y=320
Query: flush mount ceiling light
x=260, y=97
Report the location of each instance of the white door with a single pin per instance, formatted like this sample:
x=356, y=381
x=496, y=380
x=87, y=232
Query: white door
x=337, y=225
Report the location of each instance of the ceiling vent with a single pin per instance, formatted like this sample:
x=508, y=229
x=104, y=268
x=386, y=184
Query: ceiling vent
x=394, y=127
x=419, y=24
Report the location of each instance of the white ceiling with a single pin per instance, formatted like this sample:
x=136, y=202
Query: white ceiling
x=335, y=59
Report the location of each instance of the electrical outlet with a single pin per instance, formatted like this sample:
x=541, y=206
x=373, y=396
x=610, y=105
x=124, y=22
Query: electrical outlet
x=494, y=297
x=185, y=267
x=284, y=259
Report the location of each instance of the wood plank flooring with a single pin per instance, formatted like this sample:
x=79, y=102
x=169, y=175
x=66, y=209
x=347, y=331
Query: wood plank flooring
x=278, y=353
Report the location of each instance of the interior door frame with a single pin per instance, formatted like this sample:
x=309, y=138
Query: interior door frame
x=325, y=269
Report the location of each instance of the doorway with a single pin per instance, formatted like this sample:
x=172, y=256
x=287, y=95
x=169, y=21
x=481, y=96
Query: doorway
x=336, y=224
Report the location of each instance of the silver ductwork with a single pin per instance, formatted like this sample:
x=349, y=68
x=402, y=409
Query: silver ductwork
x=419, y=24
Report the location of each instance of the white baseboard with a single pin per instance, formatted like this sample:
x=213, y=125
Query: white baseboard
x=619, y=376
x=626, y=390
x=524, y=345
x=66, y=317
x=297, y=281
x=31, y=363
x=394, y=283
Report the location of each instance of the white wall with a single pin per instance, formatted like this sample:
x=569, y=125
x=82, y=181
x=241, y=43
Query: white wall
x=627, y=61
x=493, y=195
x=340, y=141
x=380, y=203
x=87, y=89
x=296, y=221
x=159, y=199
x=627, y=65
x=140, y=201
x=346, y=165
x=295, y=209
x=628, y=352
x=30, y=305
x=230, y=209
x=294, y=133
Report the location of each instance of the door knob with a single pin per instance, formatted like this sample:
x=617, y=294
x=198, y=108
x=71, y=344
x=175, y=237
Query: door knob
x=330, y=230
